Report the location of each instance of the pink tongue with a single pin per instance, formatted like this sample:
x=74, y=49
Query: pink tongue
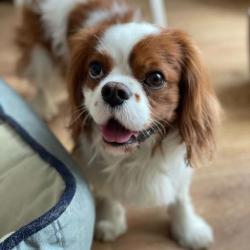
x=115, y=132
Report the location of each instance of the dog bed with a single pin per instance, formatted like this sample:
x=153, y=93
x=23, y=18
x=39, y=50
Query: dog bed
x=45, y=204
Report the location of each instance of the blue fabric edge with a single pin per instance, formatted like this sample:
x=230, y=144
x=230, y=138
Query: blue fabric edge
x=66, y=198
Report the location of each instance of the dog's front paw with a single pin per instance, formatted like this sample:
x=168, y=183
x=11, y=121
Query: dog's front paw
x=193, y=233
x=111, y=221
x=107, y=231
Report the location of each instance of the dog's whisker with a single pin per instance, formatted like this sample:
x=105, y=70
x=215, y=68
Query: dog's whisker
x=92, y=159
x=78, y=113
x=158, y=119
x=79, y=109
x=85, y=119
x=161, y=128
x=77, y=118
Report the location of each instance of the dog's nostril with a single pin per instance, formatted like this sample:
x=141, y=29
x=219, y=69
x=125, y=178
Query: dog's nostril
x=124, y=95
x=107, y=91
x=115, y=94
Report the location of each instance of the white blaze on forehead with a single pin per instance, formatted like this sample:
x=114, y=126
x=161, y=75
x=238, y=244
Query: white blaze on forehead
x=118, y=41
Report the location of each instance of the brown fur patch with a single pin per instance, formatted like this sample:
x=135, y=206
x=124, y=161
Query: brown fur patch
x=187, y=99
x=137, y=97
x=144, y=60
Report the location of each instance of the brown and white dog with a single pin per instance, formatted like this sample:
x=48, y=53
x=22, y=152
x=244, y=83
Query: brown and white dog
x=143, y=110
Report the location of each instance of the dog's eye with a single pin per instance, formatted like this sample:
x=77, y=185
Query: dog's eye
x=155, y=80
x=95, y=70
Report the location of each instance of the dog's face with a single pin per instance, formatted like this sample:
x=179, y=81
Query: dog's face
x=133, y=81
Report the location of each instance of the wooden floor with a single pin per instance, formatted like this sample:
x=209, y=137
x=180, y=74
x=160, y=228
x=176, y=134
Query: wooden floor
x=221, y=192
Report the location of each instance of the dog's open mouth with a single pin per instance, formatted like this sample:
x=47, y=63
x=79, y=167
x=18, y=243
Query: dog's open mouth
x=116, y=134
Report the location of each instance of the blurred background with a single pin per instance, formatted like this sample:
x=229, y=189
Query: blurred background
x=221, y=191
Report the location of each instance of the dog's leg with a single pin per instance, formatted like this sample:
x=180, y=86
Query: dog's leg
x=41, y=72
x=187, y=227
x=110, y=219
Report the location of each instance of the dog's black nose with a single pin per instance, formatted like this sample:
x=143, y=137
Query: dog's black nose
x=115, y=93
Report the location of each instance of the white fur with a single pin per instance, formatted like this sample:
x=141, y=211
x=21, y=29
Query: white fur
x=188, y=228
x=138, y=177
x=100, y=15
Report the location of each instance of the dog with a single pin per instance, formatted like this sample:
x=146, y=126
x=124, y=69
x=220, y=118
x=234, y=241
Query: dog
x=143, y=113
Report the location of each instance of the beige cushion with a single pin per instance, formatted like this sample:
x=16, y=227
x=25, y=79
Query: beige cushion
x=29, y=187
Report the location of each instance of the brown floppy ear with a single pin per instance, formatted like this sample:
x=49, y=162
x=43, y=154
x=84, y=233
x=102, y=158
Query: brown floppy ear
x=81, y=47
x=198, y=112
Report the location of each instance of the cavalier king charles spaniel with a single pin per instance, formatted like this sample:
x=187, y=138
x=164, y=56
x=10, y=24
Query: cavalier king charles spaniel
x=143, y=111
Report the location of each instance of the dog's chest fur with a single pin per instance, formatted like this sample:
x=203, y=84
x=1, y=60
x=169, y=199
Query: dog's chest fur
x=139, y=178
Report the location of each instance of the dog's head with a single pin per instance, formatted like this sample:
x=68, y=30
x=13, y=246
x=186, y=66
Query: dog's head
x=131, y=81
